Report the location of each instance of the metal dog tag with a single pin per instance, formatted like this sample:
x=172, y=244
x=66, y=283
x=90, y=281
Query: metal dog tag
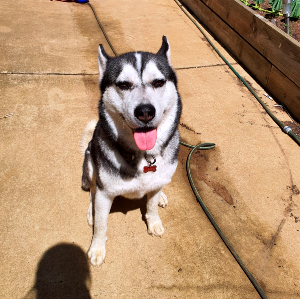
x=151, y=167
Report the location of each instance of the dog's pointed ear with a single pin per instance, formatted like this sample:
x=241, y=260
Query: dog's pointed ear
x=165, y=49
x=103, y=57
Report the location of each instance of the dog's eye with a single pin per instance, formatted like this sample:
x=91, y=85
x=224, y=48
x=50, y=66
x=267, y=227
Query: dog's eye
x=158, y=83
x=124, y=85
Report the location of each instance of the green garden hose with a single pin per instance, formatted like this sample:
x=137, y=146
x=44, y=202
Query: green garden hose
x=102, y=29
x=208, y=146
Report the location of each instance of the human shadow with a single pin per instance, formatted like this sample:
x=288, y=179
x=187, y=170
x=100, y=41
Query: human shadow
x=62, y=273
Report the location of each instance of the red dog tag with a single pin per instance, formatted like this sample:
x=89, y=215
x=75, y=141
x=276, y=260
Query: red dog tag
x=149, y=169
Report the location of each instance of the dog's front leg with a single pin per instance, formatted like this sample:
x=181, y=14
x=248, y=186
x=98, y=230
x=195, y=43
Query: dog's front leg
x=153, y=220
x=102, y=204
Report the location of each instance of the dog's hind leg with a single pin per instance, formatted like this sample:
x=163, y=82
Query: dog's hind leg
x=90, y=215
x=89, y=182
x=163, y=201
x=153, y=220
x=102, y=206
x=88, y=171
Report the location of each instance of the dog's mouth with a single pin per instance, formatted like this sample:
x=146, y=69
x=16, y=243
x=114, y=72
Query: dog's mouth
x=145, y=138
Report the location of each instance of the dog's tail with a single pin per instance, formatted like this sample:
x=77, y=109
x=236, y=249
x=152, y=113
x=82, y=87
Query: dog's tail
x=87, y=135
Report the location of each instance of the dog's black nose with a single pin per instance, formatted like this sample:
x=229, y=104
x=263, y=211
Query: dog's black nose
x=145, y=112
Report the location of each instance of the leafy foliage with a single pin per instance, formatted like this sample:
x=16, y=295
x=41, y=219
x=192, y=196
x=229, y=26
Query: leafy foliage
x=276, y=5
x=259, y=2
x=295, y=9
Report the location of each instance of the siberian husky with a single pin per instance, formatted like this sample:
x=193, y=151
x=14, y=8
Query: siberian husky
x=132, y=150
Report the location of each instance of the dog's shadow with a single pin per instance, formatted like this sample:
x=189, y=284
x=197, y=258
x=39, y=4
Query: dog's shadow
x=125, y=205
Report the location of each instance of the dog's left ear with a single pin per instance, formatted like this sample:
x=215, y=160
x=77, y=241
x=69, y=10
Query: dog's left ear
x=165, y=49
x=103, y=57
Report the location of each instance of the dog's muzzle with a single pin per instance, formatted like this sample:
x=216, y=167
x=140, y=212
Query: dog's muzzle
x=145, y=113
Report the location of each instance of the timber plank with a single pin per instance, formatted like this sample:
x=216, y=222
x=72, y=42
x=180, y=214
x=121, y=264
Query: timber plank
x=285, y=90
x=279, y=48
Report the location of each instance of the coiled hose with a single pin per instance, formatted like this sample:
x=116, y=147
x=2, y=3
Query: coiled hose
x=208, y=146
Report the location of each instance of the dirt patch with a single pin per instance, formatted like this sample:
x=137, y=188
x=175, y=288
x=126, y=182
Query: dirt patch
x=279, y=20
x=213, y=183
x=294, y=126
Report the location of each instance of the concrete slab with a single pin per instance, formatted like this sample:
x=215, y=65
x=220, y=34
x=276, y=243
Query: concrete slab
x=249, y=181
x=137, y=24
x=48, y=37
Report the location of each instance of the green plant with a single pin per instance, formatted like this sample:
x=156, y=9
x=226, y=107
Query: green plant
x=295, y=9
x=259, y=2
x=276, y=5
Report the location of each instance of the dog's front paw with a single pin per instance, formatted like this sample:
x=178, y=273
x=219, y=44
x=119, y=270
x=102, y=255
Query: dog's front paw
x=156, y=229
x=163, y=201
x=96, y=255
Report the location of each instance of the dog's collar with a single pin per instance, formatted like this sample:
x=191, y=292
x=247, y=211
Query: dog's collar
x=151, y=166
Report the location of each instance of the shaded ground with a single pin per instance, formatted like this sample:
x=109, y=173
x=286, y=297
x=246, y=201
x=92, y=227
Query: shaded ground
x=279, y=20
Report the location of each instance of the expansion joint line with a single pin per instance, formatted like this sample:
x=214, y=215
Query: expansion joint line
x=48, y=74
x=201, y=67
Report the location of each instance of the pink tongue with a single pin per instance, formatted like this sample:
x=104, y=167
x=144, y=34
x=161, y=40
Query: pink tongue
x=145, y=139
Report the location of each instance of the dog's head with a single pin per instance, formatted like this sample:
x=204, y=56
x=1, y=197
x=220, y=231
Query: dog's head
x=140, y=90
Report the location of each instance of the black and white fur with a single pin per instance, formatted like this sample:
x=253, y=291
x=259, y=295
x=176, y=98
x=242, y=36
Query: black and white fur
x=113, y=164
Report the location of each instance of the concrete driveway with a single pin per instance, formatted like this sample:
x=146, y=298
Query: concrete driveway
x=250, y=181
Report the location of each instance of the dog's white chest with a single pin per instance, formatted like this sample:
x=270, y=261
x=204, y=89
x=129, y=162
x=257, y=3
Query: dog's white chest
x=137, y=187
